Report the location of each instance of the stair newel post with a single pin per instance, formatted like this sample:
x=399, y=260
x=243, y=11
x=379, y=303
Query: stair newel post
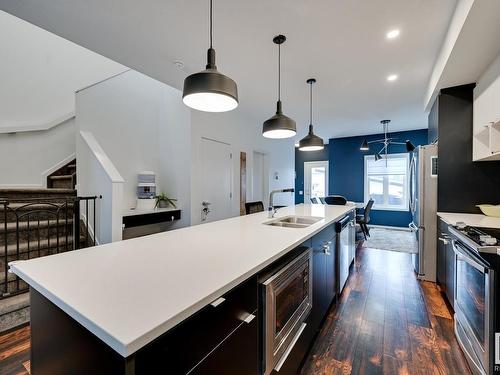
x=57, y=229
x=66, y=221
x=76, y=223
x=93, y=222
x=17, y=246
x=6, y=237
x=86, y=223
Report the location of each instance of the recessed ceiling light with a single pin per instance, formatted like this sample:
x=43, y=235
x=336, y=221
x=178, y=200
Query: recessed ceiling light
x=392, y=34
x=392, y=77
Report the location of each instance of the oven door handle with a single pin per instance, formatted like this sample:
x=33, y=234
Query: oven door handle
x=467, y=258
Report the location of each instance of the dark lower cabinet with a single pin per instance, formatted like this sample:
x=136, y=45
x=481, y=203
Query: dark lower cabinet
x=324, y=287
x=445, y=262
x=221, y=338
x=237, y=354
x=191, y=342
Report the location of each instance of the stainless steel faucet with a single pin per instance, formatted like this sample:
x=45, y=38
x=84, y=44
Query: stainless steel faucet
x=271, y=210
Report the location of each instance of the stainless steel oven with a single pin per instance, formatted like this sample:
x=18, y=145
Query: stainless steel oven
x=287, y=301
x=474, y=304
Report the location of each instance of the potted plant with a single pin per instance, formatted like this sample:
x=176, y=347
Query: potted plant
x=162, y=201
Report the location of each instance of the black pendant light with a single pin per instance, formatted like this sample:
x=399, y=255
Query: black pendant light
x=377, y=157
x=311, y=142
x=409, y=146
x=364, y=146
x=279, y=126
x=209, y=90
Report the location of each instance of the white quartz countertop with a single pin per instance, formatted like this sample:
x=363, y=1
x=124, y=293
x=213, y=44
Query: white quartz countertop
x=130, y=292
x=475, y=220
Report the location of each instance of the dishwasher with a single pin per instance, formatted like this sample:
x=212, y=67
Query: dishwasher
x=344, y=256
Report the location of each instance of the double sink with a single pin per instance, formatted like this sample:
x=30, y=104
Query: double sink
x=293, y=221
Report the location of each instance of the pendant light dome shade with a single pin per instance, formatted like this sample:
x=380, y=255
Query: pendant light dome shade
x=210, y=90
x=377, y=157
x=279, y=126
x=364, y=146
x=311, y=142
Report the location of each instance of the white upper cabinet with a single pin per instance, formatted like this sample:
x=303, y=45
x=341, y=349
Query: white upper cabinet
x=486, y=137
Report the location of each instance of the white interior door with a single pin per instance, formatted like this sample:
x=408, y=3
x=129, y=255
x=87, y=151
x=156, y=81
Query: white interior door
x=315, y=180
x=216, y=179
x=258, y=187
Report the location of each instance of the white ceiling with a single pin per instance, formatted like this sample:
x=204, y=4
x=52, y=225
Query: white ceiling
x=340, y=43
x=39, y=74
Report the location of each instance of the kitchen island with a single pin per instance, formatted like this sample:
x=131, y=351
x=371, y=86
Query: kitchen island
x=128, y=294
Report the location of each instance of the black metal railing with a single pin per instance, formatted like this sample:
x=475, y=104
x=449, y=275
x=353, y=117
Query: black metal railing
x=37, y=227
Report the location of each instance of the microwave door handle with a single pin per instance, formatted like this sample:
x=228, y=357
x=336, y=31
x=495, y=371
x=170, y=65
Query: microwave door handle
x=467, y=258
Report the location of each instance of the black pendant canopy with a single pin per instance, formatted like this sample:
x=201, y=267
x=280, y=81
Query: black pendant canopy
x=210, y=90
x=311, y=142
x=364, y=146
x=280, y=125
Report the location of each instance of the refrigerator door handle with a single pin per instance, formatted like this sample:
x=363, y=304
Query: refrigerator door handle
x=413, y=182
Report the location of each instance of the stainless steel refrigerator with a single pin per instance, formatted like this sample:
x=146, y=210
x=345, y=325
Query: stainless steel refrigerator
x=423, y=207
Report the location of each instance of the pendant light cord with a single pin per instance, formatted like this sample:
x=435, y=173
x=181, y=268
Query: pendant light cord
x=211, y=21
x=311, y=105
x=279, y=72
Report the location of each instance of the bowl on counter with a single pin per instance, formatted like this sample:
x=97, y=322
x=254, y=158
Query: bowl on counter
x=490, y=209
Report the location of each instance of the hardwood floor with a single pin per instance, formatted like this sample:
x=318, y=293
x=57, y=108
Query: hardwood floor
x=15, y=352
x=387, y=322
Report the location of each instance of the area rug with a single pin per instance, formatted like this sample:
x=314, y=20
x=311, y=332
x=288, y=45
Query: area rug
x=392, y=240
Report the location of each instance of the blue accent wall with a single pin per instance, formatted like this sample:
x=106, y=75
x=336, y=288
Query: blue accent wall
x=300, y=158
x=346, y=170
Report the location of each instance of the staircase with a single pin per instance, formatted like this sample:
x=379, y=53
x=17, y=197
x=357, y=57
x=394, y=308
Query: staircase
x=64, y=177
x=34, y=223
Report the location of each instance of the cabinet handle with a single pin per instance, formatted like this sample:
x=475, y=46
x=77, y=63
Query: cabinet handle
x=217, y=302
x=249, y=318
x=326, y=247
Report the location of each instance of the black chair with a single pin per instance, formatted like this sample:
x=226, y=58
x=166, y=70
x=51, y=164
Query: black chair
x=314, y=200
x=253, y=207
x=337, y=200
x=322, y=200
x=364, y=218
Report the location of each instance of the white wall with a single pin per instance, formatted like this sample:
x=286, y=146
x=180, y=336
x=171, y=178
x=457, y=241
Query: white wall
x=141, y=124
x=243, y=134
x=25, y=156
x=98, y=177
x=39, y=73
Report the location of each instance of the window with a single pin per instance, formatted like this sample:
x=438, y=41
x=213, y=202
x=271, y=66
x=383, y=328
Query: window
x=386, y=182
